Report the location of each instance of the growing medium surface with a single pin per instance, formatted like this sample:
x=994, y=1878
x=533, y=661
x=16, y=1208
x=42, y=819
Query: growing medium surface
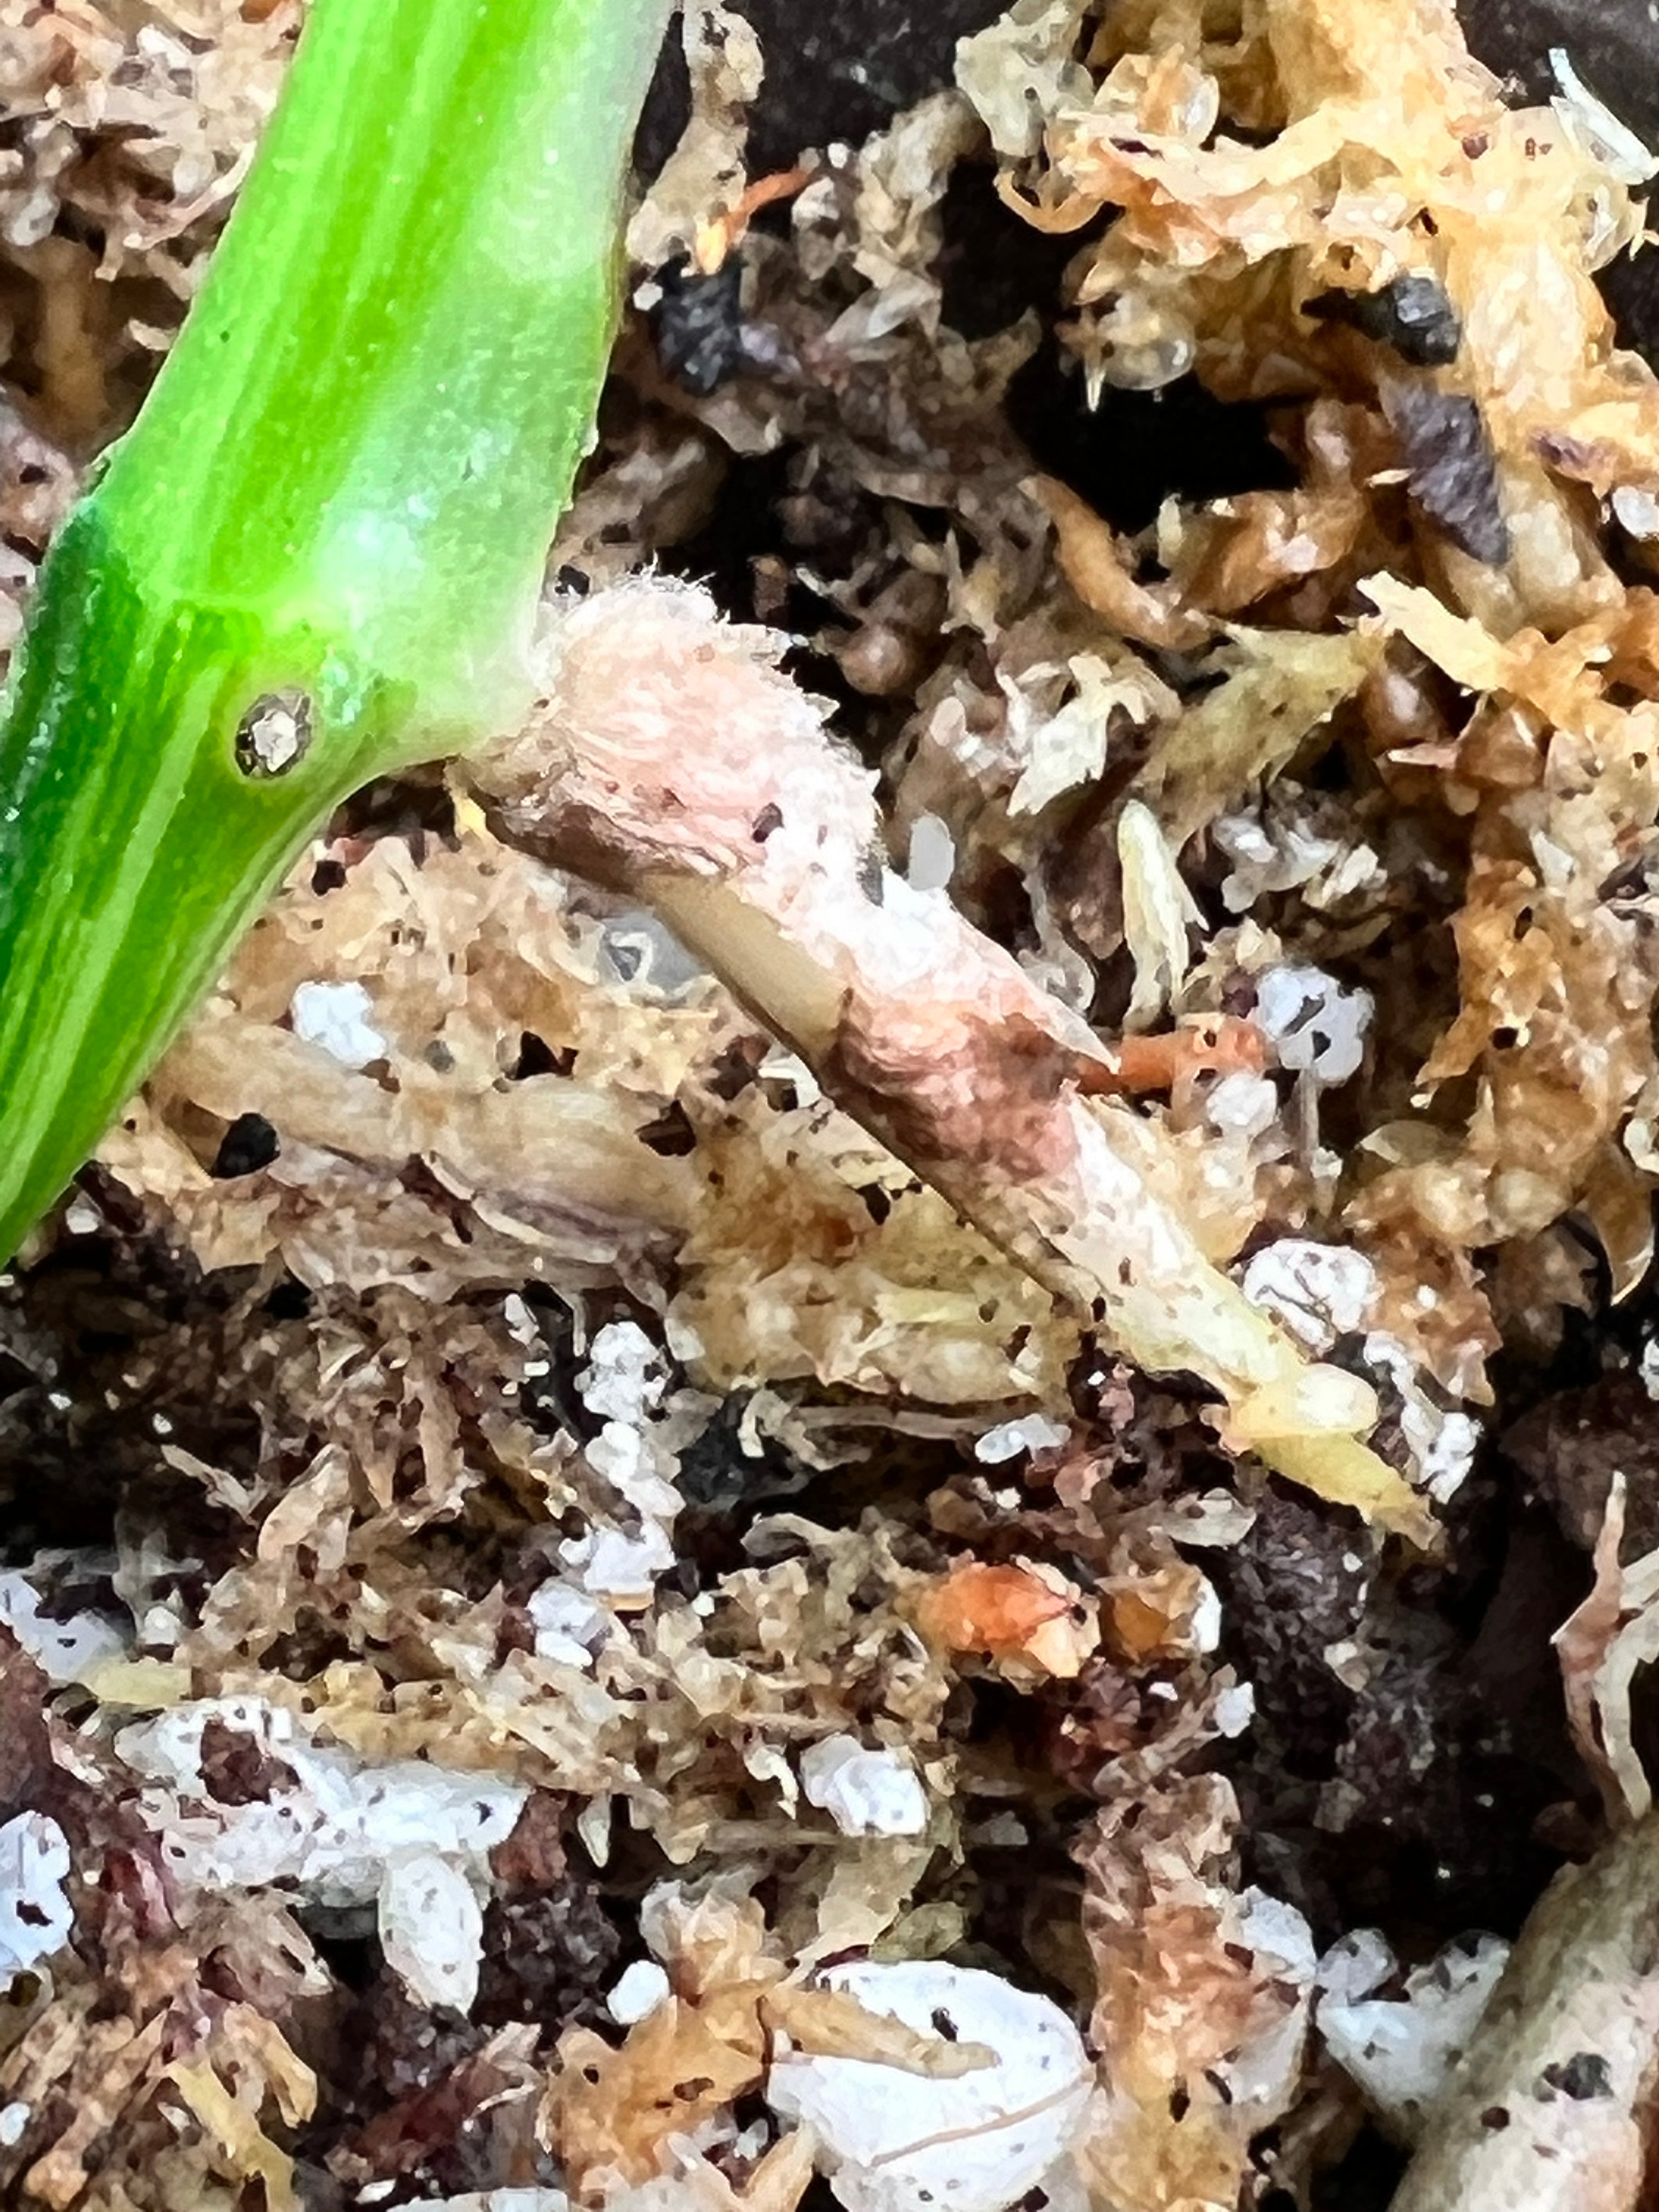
x=530, y=1529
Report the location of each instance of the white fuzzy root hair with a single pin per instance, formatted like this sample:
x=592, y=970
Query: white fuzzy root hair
x=670, y=755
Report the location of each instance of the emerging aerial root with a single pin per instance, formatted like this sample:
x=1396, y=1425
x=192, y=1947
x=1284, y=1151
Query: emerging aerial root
x=672, y=755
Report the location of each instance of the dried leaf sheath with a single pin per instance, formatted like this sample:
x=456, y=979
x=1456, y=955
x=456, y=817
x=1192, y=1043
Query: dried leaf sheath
x=340, y=492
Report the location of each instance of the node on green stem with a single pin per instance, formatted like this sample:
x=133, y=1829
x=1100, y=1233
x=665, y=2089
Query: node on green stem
x=317, y=554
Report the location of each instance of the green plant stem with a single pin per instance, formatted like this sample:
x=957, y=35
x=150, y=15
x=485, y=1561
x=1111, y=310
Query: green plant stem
x=341, y=492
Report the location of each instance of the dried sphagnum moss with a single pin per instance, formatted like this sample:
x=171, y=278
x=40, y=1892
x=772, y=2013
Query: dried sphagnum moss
x=579, y=1400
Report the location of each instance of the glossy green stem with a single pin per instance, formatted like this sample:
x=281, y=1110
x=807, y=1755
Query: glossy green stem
x=341, y=489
